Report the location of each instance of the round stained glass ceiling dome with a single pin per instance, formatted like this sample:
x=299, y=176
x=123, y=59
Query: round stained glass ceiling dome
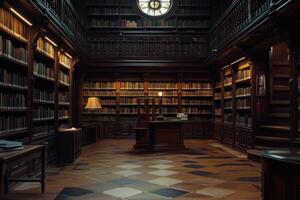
x=155, y=7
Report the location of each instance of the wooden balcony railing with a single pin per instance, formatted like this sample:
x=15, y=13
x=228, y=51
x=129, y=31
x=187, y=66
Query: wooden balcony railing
x=240, y=17
x=64, y=15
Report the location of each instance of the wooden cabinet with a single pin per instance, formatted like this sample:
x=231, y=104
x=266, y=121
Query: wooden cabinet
x=69, y=145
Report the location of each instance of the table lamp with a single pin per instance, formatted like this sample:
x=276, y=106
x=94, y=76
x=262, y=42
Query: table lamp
x=160, y=117
x=93, y=104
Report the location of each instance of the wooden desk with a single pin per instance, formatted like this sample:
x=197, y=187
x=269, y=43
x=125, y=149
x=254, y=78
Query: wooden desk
x=281, y=174
x=12, y=158
x=166, y=135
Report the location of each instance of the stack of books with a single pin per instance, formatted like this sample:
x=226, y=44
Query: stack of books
x=6, y=145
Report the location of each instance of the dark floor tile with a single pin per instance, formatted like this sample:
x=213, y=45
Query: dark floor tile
x=249, y=179
x=194, y=166
x=125, y=181
x=189, y=161
x=63, y=197
x=169, y=192
x=201, y=173
x=233, y=164
x=75, y=192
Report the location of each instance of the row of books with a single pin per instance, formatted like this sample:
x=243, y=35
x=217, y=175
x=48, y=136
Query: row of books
x=132, y=85
x=218, y=95
x=131, y=93
x=165, y=93
x=128, y=110
x=243, y=91
x=63, y=97
x=193, y=11
x=244, y=120
x=197, y=93
x=193, y=23
x=43, y=113
x=228, y=118
x=43, y=129
x=125, y=23
x=12, y=24
x=99, y=85
x=12, y=123
x=227, y=80
x=12, y=100
x=196, y=102
x=228, y=104
x=217, y=111
x=108, y=101
x=228, y=94
x=193, y=85
x=243, y=103
x=104, y=23
x=166, y=101
x=43, y=95
x=193, y=2
x=162, y=85
x=12, y=78
x=63, y=77
x=63, y=113
x=110, y=10
x=100, y=93
x=243, y=74
x=46, y=47
x=218, y=85
x=65, y=60
x=10, y=50
x=43, y=70
x=127, y=100
x=194, y=110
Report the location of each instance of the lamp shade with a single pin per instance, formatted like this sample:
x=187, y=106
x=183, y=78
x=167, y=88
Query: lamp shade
x=93, y=103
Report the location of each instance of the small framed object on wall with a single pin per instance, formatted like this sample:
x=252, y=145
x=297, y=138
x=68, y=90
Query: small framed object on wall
x=261, y=85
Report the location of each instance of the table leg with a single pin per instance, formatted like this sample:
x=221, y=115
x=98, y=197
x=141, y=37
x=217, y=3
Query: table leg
x=2, y=180
x=43, y=168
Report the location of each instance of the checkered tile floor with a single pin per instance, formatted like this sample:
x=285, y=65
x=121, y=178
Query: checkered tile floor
x=110, y=170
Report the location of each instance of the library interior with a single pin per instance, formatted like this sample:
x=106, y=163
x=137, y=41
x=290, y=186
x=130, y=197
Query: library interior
x=149, y=99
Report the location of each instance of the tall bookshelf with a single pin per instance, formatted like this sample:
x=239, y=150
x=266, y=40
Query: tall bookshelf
x=197, y=100
x=228, y=95
x=217, y=109
x=243, y=95
x=43, y=89
x=235, y=101
x=13, y=76
x=106, y=92
x=124, y=15
x=64, y=81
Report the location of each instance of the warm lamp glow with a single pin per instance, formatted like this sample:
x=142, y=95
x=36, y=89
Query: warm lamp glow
x=21, y=17
x=160, y=94
x=93, y=103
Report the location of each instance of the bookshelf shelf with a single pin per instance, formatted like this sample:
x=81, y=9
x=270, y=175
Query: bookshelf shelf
x=46, y=119
x=13, y=109
x=12, y=35
x=14, y=61
x=43, y=102
x=45, y=78
x=13, y=87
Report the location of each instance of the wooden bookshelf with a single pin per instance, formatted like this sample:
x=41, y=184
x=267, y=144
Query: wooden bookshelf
x=43, y=89
x=13, y=76
x=125, y=16
x=64, y=90
x=233, y=97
